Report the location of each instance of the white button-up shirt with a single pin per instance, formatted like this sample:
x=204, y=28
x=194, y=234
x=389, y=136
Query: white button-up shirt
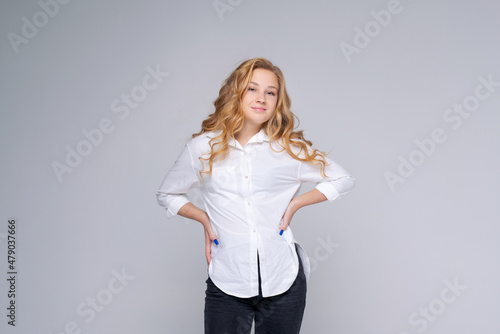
x=245, y=198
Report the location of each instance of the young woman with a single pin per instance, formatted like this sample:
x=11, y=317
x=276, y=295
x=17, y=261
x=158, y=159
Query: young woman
x=249, y=163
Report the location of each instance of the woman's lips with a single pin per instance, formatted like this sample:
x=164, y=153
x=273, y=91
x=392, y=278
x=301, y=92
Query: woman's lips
x=259, y=109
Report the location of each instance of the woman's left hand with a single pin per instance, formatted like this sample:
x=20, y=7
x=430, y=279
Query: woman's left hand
x=311, y=197
x=287, y=216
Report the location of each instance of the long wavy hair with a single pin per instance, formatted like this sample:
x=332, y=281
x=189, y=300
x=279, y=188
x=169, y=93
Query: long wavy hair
x=228, y=118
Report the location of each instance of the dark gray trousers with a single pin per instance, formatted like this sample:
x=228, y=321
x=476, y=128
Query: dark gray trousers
x=281, y=314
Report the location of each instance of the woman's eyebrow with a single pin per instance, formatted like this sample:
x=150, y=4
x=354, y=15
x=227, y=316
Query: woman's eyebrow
x=252, y=82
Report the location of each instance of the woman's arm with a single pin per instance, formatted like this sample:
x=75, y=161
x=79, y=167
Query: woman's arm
x=191, y=211
x=181, y=178
x=311, y=197
x=337, y=183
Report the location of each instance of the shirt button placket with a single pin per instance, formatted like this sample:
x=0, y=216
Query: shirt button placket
x=248, y=196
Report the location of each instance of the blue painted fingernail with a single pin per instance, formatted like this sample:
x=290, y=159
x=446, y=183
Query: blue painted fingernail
x=216, y=242
x=281, y=232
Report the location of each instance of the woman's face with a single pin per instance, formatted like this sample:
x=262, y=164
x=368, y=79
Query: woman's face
x=261, y=97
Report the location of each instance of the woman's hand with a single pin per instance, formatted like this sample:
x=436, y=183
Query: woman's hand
x=209, y=238
x=191, y=211
x=311, y=197
x=287, y=216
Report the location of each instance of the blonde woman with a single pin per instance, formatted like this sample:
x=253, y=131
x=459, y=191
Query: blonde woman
x=248, y=163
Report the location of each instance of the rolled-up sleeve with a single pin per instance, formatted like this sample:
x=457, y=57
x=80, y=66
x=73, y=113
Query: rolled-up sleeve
x=337, y=183
x=178, y=181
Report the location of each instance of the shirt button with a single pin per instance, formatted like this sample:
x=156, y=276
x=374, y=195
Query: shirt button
x=248, y=203
x=246, y=176
x=254, y=231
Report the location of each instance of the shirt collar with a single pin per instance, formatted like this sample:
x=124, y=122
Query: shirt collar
x=259, y=137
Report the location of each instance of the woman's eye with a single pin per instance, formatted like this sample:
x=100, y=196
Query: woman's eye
x=251, y=89
x=272, y=93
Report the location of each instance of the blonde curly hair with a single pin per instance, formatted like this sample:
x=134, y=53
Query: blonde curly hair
x=228, y=118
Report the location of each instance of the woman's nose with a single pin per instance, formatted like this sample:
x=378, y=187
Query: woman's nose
x=261, y=97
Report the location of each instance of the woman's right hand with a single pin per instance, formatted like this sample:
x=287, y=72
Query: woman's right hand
x=191, y=211
x=210, y=238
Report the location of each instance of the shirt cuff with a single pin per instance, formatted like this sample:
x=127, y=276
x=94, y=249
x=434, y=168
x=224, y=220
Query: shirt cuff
x=327, y=189
x=178, y=203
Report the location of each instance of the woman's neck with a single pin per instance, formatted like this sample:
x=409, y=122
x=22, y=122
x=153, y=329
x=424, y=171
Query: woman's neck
x=244, y=135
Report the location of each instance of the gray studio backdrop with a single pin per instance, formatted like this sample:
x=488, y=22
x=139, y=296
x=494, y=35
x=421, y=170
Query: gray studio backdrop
x=99, y=97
